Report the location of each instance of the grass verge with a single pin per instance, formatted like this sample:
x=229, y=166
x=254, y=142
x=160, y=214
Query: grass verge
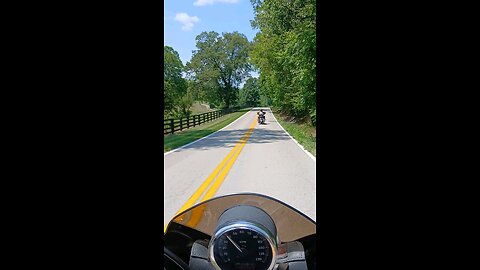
x=178, y=139
x=304, y=134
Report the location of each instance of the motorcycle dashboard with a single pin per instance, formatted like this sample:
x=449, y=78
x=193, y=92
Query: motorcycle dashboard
x=290, y=223
x=253, y=236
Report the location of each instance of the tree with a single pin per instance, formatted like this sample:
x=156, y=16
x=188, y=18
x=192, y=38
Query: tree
x=184, y=105
x=220, y=65
x=285, y=52
x=174, y=85
x=249, y=95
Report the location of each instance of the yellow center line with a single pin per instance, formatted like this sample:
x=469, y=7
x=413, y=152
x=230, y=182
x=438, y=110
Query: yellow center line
x=216, y=185
x=207, y=181
x=198, y=213
x=227, y=168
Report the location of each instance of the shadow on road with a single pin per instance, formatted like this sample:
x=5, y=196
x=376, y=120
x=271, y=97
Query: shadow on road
x=228, y=138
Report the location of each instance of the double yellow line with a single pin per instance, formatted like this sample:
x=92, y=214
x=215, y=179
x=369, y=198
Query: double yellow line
x=219, y=174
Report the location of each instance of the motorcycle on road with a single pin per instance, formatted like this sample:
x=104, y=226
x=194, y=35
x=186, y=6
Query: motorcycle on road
x=261, y=118
x=240, y=231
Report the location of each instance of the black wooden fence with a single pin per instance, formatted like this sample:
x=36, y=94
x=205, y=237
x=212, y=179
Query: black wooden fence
x=173, y=125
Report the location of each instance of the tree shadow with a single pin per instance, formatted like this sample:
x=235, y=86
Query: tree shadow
x=228, y=138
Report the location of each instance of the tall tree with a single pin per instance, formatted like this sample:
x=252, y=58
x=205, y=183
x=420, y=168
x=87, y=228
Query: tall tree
x=249, y=95
x=175, y=86
x=220, y=65
x=285, y=52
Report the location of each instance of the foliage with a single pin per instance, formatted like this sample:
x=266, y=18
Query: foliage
x=183, y=106
x=175, y=97
x=285, y=52
x=304, y=133
x=219, y=66
x=249, y=95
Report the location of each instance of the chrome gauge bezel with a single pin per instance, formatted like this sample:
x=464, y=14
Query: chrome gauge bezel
x=271, y=239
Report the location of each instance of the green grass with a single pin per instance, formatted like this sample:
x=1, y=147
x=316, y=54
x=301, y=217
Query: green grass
x=178, y=139
x=304, y=134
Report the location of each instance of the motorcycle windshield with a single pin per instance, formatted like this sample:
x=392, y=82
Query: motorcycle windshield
x=291, y=224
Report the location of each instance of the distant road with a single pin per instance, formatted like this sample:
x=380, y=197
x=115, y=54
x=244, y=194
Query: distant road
x=265, y=161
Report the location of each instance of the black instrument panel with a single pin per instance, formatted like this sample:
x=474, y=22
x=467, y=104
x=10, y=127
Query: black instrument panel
x=242, y=249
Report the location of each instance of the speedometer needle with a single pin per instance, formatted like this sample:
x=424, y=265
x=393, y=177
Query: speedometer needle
x=234, y=243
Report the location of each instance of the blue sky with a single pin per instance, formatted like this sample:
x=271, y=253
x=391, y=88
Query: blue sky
x=185, y=19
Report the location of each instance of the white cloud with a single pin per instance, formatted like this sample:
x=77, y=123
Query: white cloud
x=187, y=21
x=211, y=2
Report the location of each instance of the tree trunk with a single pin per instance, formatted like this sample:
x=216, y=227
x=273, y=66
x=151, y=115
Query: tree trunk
x=227, y=102
x=227, y=96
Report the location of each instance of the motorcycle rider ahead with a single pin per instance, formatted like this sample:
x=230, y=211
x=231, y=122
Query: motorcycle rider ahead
x=261, y=116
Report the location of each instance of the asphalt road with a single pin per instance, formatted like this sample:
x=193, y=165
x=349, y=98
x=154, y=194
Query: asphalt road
x=243, y=157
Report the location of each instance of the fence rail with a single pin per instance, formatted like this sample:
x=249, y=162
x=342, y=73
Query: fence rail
x=173, y=125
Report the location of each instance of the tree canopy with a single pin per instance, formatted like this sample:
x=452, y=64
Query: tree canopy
x=249, y=95
x=285, y=52
x=219, y=65
x=175, y=95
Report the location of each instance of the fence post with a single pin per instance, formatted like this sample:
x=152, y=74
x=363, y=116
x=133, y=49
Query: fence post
x=171, y=124
x=181, y=124
x=188, y=121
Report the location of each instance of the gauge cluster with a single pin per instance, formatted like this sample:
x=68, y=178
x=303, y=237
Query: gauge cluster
x=245, y=239
x=243, y=246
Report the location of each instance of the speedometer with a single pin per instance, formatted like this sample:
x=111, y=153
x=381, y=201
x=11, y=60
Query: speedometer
x=244, y=244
